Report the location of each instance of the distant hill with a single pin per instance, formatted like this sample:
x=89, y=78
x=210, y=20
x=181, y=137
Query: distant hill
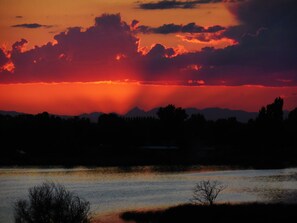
x=92, y=116
x=209, y=114
x=137, y=112
x=11, y=113
x=222, y=113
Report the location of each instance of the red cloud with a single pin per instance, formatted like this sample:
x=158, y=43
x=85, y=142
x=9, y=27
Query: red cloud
x=77, y=55
x=109, y=50
x=3, y=59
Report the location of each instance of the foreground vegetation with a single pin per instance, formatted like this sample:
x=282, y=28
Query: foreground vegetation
x=244, y=213
x=171, y=139
x=51, y=203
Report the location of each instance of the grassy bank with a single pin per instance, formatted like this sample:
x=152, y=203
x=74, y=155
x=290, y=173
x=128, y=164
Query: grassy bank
x=243, y=213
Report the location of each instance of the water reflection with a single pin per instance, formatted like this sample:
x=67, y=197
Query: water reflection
x=118, y=188
x=278, y=187
x=279, y=178
x=111, y=170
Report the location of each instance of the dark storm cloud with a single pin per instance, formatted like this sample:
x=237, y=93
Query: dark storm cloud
x=134, y=23
x=214, y=29
x=260, y=13
x=192, y=28
x=268, y=38
x=173, y=28
x=31, y=26
x=77, y=55
x=265, y=53
x=3, y=58
x=18, y=46
x=19, y=17
x=158, y=51
x=174, y=4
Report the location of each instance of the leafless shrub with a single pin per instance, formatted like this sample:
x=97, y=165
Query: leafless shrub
x=51, y=203
x=206, y=192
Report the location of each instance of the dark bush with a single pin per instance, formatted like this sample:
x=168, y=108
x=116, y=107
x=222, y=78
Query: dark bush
x=51, y=203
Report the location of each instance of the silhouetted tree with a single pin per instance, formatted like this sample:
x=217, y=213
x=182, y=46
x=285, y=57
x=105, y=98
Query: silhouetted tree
x=51, y=203
x=273, y=112
x=46, y=139
x=171, y=114
x=196, y=125
x=292, y=117
x=109, y=120
x=198, y=118
x=206, y=192
x=262, y=116
x=172, y=122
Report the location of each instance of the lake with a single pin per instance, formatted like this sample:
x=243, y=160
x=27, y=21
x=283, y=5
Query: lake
x=118, y=189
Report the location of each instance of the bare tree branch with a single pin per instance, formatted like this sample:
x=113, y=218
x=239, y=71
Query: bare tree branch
x=206, y=192
x=51, y=203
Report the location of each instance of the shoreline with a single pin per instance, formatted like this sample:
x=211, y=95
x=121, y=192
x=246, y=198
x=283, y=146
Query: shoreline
x=165, y=165
x=242, y=212
x=116, y=215
x=144, y=168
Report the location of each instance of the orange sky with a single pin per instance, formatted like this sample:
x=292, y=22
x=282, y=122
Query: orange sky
x=68, y=97
x=72, y=13
x=77, y=98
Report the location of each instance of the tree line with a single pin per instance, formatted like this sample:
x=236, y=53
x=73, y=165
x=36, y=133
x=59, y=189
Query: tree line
x=173, y=137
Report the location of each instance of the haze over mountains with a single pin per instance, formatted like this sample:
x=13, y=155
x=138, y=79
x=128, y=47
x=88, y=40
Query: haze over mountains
x=209, y=113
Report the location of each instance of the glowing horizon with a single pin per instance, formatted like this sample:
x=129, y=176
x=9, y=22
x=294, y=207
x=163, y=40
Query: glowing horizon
x=77, y=97
x=237, y=54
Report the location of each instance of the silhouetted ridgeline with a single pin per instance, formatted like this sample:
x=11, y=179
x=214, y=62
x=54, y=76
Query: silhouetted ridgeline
x=173, y=137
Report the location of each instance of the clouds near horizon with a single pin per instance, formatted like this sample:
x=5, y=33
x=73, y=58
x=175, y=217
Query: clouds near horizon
x=261, y=52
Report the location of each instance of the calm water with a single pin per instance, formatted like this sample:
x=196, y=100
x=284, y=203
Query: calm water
x=115, y=189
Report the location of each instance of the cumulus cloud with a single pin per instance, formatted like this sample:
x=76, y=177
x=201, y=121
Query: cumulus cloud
x=265, y=53
x=19, y=46
x=31, y=25
x=134, y=24
x=3, y=59
x=109, y=50
x=78, y=55
x=267, y=40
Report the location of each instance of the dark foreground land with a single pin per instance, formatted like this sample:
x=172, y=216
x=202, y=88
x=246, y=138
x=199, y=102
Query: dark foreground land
x=243, y=213
x=172, y=138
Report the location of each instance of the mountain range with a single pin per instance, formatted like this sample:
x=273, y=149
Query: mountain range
x=209, y=114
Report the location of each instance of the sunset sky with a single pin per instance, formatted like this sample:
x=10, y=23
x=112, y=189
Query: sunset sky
x=76, y=56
